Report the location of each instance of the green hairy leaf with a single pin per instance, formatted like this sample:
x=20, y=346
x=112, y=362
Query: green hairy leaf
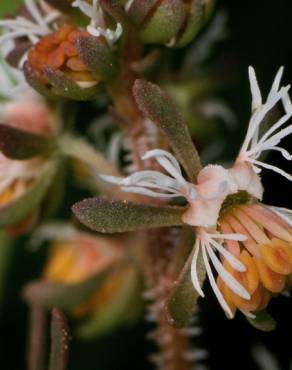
x=159, y=107
x=183, y=299
x=107, y=216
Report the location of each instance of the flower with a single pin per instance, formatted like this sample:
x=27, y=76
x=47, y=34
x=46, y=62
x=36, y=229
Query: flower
x=266, y=253
x=97, y=25
x=38, y=20
x=80, y=256
x=58, y=51
x=60, y=59
x=24, y=110
x=253, y=241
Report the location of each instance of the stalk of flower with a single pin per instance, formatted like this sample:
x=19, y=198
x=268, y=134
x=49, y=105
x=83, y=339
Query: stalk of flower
x=80, y=256
x=252, y=240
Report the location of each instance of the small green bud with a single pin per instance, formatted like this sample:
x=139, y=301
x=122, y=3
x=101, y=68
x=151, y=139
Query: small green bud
x=172, y=22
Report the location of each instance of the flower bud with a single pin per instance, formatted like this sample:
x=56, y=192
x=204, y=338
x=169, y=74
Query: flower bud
x=69, y=63
x=26, y=141
x=80, y=257
x=172, y=22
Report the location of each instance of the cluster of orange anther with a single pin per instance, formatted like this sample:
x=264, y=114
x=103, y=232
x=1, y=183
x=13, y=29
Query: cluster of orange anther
x=58, y=51
x=266, y=254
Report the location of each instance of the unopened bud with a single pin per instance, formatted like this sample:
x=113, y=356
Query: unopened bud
x=172, y=22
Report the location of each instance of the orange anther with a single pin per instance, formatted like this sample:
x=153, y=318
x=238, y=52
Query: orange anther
x=271, y=280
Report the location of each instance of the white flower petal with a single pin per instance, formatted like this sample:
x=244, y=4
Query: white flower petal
x=194, y=272
x=214, y=286
x=228, y=279
x=255, y=90
x=273, y=168
x=233, y=261
x=154, y=183
x=236, y=237
x=276, y=84
x=158, y=153
x=97, y=26
x=254, y=145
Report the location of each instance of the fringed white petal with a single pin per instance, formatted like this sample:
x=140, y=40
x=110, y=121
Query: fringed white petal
x=36, y=14
x=84, y=6
x=236, y=237
x=110, y=35
x=258, y=117
x=194, y=271
x=276, y=83
x=166, y=160
x=214, y=286
x=40, y=25
x=154, y=183
x=97, y=26
x=205, y=243
x=255, y=144
x=147, y=192
x=233, y=261
x=278, y=170
x=255, y=90
x=228, y=279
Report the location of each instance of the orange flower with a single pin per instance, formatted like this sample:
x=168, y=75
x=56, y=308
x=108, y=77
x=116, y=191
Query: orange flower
x=58, y=51
x=266, y=254
x=80, y=257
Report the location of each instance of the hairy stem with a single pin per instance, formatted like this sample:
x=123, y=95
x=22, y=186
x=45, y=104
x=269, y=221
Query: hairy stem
x=173, y=344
